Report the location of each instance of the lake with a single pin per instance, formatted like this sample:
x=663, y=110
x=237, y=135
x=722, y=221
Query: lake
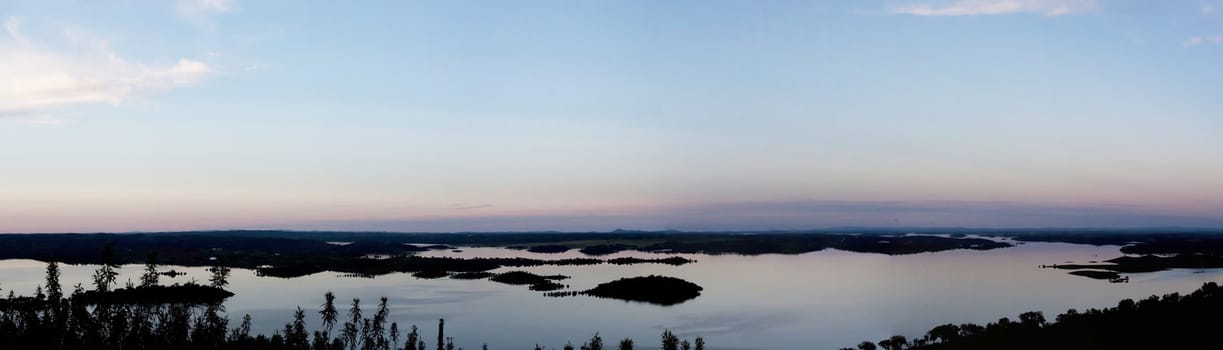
x=821, y=300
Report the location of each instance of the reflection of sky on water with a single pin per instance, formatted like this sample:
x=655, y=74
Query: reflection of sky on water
x=730, y=323
x=828, y=299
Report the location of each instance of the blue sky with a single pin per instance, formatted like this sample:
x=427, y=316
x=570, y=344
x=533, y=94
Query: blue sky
x=523, y=115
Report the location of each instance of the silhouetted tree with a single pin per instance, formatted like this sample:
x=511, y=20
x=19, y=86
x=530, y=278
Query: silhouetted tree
x=295, y=335
x=394, y=344
x=669, y=340
x=866, y=346
x=441, y=333
x=150, y=277
x=54, y=293
x=413, y=338
x=329, y=314
x=351, y=327
x=626, y=344
x=943, y=333
x=104, y=276
x=243, y=332
x=970, y=330
x=210, y=327
x=220, y=275
x=1032, y=319
x=376, y=339
x=896, y=342
x=595, y=343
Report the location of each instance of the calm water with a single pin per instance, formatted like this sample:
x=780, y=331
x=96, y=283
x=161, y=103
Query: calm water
x=822, y=300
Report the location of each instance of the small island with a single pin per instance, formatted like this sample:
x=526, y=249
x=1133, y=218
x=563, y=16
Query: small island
x=189, y=293
x=430, y=274
x=549, y=249
x=1097, y=274
x=605, y=249
x=658, y=290
x=537, y=282
x=479, y=275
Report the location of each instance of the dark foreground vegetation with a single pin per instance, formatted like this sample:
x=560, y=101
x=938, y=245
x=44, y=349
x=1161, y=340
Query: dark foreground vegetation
x=1173, y=321
x=659, y=290
x=152, y=316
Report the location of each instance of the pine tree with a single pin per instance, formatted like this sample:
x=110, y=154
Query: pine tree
x=329, y=314
x=104, y=276
x=150, y=277
x=669, y=340
x=626, y=344
x=394, y=344
x=352, y=327
x=441, y=333
x=220, y=276
x=413, y=338
x=54, y=293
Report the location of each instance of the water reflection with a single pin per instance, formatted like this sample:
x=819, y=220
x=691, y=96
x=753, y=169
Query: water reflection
x=828, y=299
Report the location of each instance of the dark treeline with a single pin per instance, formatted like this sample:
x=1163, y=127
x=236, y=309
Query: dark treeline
x=1147, y=252
x=431, y=267
x=1150, y=263
x=255, y=248
x=95, y=320
x=1137, y=241
x=1172, y=321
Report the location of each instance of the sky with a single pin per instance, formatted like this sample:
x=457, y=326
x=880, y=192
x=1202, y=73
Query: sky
x=130, y=115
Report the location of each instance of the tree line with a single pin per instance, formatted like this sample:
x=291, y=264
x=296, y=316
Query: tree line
x=1172, y=321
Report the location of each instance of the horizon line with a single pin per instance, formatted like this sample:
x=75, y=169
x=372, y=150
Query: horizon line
x=847, y=229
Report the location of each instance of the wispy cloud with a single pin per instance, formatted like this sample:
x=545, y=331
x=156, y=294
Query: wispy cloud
x=465, y=206
x=999, y=7
x=1199, y=40
x=205, y=6
x=39, y=80
x=201, y=12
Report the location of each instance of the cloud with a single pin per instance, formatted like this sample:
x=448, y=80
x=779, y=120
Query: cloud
x=12, y=27
x=465, y=206
x=999, y=7
x=38, y=81
x=205, y=6
x=1199, y=40
x=200, y=12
